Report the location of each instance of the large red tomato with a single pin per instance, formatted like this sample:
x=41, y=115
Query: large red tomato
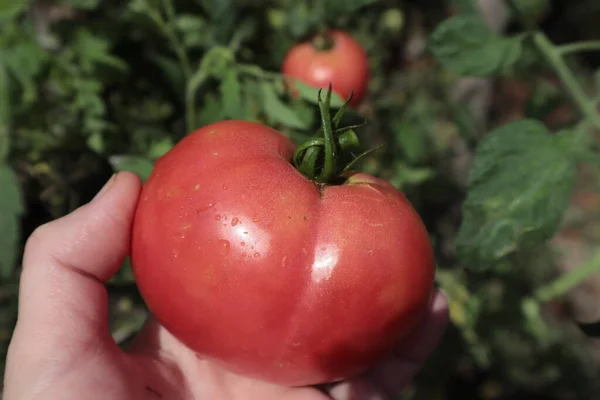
x=256, y=267
x=344, y=64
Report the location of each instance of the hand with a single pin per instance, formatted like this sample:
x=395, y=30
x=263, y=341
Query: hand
x=62, y=347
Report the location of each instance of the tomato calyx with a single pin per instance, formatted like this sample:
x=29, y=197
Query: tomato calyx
x=325, y=159
x=323, y=41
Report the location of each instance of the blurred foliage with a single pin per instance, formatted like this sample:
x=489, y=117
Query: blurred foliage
x=89, y=87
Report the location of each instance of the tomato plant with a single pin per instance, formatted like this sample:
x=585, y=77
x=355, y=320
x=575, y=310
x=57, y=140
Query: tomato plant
x=292, y=277
x=334, y=58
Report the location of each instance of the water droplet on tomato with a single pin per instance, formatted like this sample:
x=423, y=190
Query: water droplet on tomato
x=224, y=187
x=205, y=207
x=256, y=255
x=234, y=221
x=224, y=247
x=225, y=218
x=217, y=217
x=243, y=243
x=370, y=252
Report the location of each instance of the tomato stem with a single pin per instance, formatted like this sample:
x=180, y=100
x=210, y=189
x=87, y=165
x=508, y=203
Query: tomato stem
x=325, y=157
x=330, y=147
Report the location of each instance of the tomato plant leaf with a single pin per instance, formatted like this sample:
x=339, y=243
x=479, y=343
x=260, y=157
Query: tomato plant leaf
x=335, y=8
x=5, y=111
x=160, y=147
x=222, y=15
x=194, y=29
x=25, y=62
x=466, y=46
x=139, y=165
x=518, y=190
x=299, y=19
x=278, y=111
x=11, y=208
x=10, y=9
x=171, y=70
x=231, y=95
x=310, y=94
x=534, y=9
x=211, y=111
x=83, y=4
x=465, y=7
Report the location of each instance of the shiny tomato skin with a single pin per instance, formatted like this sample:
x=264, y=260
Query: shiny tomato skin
x=252, y=265
x=345, y=65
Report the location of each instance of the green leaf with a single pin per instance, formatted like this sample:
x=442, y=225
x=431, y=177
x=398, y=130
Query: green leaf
x=310, y=93
x=406, y=175
x=139, y=165
x=25, y=62
x=5, y=112
x=211, y=110
x=11, y=208
x=10, y=9
x=299, y=19
x=533, y=9
x=160, y=148
x=189, y=22
x=412, y=143
x=195, y=30
x=278, y=111
x=518, y=190
x=222, y=14
x=94, y=50
x=466, y=46
x=465, y=7
x=253, y=100
x=82, y=4
x=231, y=95
x=171, y=69
x=336, y=8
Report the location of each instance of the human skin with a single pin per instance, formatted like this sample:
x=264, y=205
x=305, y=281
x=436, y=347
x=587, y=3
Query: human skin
x=62, y=348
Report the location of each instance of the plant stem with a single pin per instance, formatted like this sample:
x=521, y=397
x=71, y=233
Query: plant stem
x=258, y=72
x=171, y=35
x=190, y=99
x=550, y=52
x=568, y=281
x=330, y=150
x=592, y=45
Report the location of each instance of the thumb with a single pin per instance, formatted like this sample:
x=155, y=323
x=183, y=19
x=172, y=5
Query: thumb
x=62, y=299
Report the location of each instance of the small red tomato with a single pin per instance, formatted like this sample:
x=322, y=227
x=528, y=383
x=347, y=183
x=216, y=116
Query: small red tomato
x=345, y=65
x=254, y=266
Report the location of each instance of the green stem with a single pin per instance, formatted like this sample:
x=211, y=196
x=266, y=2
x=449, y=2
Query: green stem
x=568, y=281
x=330, y=150
x=169, y=32
x=592, y=45
x=258, y=72
x=552, y=55
x=190, y=99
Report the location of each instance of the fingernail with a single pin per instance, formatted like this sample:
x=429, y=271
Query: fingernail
x=106, y=186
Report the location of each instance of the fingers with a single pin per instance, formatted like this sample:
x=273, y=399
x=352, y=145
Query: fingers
x=389, y=378
x=62, y=299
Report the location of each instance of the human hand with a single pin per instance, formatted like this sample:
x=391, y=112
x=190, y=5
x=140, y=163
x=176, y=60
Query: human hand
x=62, y=348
